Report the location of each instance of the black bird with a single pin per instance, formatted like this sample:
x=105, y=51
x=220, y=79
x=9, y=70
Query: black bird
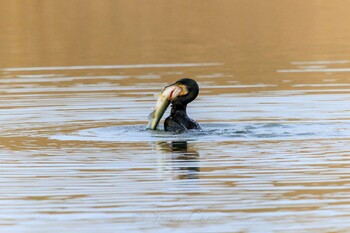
x=179, y=94
x=178, y=120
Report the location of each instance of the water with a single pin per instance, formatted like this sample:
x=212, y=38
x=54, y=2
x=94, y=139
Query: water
x=75, y=93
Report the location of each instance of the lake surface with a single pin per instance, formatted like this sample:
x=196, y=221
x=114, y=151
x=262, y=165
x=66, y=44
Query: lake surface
x=79, y=78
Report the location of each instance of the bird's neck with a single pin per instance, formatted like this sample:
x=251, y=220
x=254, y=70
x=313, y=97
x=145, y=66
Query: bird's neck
x=178, y=109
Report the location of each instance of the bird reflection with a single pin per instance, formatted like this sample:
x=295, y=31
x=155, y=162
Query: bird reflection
x=183, y=160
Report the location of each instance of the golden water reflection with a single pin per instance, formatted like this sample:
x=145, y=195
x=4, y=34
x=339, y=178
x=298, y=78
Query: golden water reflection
x=78, y=79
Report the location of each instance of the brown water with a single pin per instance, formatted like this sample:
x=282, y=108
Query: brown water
x=77, y=82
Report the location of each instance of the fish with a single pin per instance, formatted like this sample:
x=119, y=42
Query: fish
x=168, y=94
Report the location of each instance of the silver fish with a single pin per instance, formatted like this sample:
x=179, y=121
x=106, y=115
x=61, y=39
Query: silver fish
x=165, y=97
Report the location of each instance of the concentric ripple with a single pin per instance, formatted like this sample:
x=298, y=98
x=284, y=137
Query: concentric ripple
x=215, y=132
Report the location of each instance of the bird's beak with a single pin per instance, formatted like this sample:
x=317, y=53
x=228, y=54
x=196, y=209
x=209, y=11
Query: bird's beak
x=168, y=94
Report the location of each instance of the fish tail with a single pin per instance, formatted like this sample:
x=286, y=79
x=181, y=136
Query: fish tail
x=150, y=119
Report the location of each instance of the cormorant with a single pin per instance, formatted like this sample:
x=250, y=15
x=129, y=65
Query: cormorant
x=179, y=94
